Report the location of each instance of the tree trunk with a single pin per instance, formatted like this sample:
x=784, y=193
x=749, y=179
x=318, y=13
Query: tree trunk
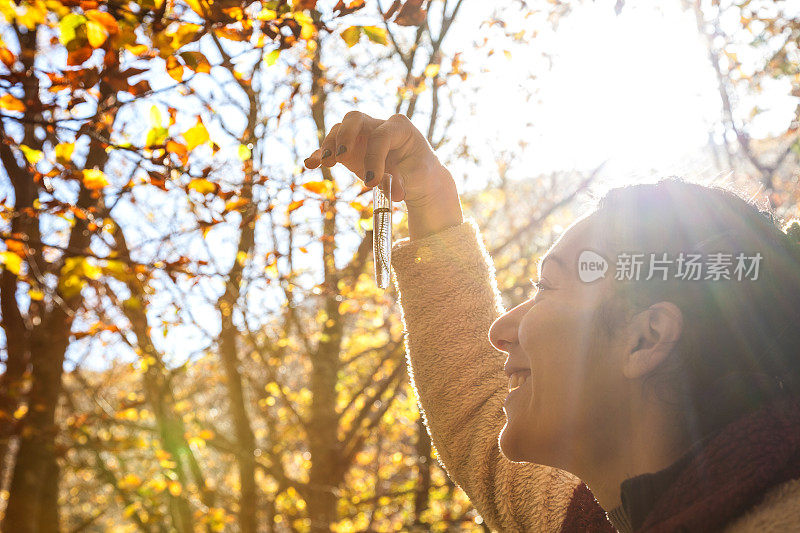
x=422, y=495
x=323, y=441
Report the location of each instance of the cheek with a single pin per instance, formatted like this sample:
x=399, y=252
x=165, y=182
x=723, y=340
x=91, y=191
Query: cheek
x=560, y=341
x=556, y=333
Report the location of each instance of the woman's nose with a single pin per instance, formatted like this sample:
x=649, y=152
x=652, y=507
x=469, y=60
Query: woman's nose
x=503, y=332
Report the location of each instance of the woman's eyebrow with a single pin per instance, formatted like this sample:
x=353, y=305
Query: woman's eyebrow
x=554, y=259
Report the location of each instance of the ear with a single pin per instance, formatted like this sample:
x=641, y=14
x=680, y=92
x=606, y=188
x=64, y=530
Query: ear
x=653, y=334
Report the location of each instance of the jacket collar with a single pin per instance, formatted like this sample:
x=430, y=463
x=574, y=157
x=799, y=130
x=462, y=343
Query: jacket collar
x=720, y=477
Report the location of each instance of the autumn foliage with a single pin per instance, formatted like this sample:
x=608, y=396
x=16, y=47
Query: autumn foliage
x=193, y=339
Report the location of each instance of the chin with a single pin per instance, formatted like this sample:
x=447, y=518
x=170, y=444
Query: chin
x=512, y=446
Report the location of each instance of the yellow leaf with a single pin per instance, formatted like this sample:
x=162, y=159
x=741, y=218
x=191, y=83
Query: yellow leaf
x=64, y=152
x=21, y=411
x=130, y=481
x=376, y=34
x=11, y=103
x=244, y=152
x=96, y=33
x=158, y=485
x=202, y=185
x=351, y=35
x=175, y=488
x=431, y=70
x=294, y=205
x=117, y=269
x=185, y=34
x=32, y=155
x=36, y=294
x=267, y=14
x=11, y=261
x=232, y=205
x=32, y=15
x=272, y=57
x=94, y=179
x=198, y=6
x=196, y=135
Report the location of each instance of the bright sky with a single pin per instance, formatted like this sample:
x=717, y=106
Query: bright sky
x=634, y=88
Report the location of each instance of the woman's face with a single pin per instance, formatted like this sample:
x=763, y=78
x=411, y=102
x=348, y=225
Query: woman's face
x=571, y=383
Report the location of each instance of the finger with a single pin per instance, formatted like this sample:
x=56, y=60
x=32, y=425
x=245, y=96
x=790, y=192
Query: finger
x=312, y=161
x=398, y=190
x=328, y=146
x=390, y=135
x=392, y=187
x=354, y=124
x=386, y=185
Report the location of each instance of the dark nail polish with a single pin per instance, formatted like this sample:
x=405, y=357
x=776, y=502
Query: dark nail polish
x=368, y=177
x=326, y=153
x=342, y=149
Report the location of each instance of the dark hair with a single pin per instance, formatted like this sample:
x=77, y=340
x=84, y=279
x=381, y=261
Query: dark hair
x=740, y=345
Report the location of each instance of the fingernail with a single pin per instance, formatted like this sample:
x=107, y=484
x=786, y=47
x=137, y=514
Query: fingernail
x=368, y=177
x=342, y=149
x=326, y=153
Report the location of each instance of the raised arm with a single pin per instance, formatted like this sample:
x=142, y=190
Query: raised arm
x=449, y=299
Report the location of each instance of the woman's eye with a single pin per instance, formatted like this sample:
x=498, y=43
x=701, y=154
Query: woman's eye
x=538, y=286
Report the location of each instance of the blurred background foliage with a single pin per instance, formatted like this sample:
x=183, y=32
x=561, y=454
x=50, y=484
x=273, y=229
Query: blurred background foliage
x=192, y=337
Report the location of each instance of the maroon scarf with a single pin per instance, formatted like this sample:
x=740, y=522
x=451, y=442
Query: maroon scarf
x=724, y=476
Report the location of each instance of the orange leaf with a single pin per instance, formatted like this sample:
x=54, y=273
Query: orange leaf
x=107, y=20
x=299, y=5
x=79, y=55
x=318, y=187
x=294, y=205
x=179, y=149
x=94, y=179
x=11, y=103
x=7, y=57
x=174, y=69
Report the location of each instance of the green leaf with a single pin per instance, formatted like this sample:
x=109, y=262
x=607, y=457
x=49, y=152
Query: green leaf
x=156, y=136
x=351, y=35
x=376, y=34
x=69, y=27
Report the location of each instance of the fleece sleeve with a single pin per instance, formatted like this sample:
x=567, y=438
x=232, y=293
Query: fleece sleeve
x=449, y=298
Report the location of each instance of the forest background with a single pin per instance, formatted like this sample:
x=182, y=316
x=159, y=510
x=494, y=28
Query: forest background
x=192, y=339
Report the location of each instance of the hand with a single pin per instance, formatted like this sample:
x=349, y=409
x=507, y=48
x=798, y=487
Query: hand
x=372, y=148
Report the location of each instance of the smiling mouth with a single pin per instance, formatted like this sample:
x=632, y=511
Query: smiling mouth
x=518, y=379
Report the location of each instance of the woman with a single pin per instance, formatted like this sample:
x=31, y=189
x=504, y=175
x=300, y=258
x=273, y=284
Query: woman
x=673, y=397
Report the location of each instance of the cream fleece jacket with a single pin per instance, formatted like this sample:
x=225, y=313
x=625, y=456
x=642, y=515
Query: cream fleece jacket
x=449, y=299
